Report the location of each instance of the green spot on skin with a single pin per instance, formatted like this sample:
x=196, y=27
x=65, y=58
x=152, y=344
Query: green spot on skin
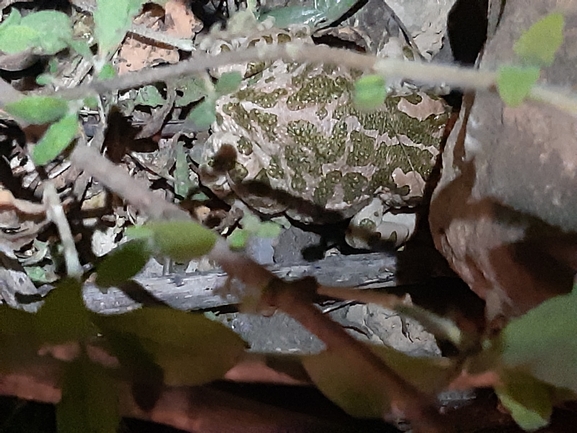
x=299, y=159
x=301, y=131
x=362, y=151
x=238, y=173
x=407, y=158
x=262, y=177
x=238, y=114
x=298, y=183
x=305, y=135
x=274, y=169
x=325, y=190
x=283, y=38
x=354, y=185
x=244, y=146
x=254, y=68
x=318, y=89
x=383, y=177
x=267, y=122
x=263, y=99
x=368, y=225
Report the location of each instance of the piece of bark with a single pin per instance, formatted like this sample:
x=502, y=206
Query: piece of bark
x=206, y=290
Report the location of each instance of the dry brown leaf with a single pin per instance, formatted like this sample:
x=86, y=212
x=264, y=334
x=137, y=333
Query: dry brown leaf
x=179, y=20
x=137, y=52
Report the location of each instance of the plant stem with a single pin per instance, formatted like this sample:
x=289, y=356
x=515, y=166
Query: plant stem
x=454, y=76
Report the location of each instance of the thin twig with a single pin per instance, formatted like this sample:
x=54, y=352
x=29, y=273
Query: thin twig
x=452, y=76
x=56, y=214
x=116, y=179
x=406, y=400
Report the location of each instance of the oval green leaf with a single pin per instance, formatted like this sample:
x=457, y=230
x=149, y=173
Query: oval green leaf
x=57, y=138
x=15, y=39
x=204, y=114
x=181, y=240
x=89, y=399
x=528, y=400
x=321, y=14
x=238, y=239
x=543, y=342
x=539, y=44
x=63, y=317
x=269, y=229
x=123, y=263
x=107, y=72
x=190, y=89
x=54, y=29
x=228, y=83
x=361, y=394
x=370, y=92
x=38, y=109
x=112, y=19
x=11, y=20
x=190, y=349
x=514, y=83
x=149, y=96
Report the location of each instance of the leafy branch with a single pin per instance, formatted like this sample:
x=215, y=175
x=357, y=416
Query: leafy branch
x=158, y=343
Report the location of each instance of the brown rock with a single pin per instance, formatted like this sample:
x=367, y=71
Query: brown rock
x=504, y=213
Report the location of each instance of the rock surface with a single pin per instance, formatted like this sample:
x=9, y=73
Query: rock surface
x=504, y=213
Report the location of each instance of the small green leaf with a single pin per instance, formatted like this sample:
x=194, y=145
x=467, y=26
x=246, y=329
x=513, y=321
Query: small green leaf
x=139, y=232
x=285, y=16
x=149, y=96
x=364, y=395
x=238, y=239
x=182, y=182
x=122, y=263
x=19, y=339
x=91, y=102
x=11, y=20
x=81, y=47
x=181, y=240
x=543, y=342
x=250, y=222
x=190, y=349
x=40, y=275
x=539, y=44
x=89, y=400
x=63, y=317
x=204, y=114
x=528, y=400
x=57, y=138
x=54, y=29
x=360, y=395
x=321, y=14
x=44, y=79
x=269, y=229
x=107, y=72
x=370, y=92
x=112, y=19
x=15, y=39
x=514, y=83
x=190, y=89
x=38, y=109
x=16, y=322
x=228, y=83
